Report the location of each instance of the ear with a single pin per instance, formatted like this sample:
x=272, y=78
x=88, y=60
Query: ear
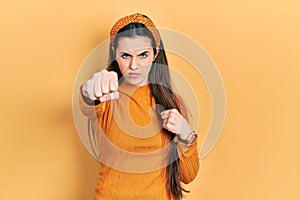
x=155, y=56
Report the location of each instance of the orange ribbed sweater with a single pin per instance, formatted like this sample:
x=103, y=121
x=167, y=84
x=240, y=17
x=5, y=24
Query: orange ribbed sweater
x=133, y=151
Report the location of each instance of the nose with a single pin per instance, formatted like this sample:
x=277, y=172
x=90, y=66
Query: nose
x=133, y=63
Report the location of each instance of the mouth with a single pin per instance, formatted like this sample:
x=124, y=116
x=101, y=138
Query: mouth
x=133, y=75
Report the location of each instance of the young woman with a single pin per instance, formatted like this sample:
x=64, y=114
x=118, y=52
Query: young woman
x=133, y=109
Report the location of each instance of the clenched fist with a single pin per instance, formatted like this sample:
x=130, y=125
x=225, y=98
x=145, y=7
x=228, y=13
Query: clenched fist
x=173, y=121
x=102, y=86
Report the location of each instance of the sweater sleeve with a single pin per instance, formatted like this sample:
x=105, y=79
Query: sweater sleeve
x=189, y=161
x=188, y=155
x=92, y=110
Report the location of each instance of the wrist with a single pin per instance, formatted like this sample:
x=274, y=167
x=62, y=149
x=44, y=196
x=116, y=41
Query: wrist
x=185, y=132
x=189, y=139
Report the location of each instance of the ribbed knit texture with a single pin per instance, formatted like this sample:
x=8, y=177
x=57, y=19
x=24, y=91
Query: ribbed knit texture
x=133, y=150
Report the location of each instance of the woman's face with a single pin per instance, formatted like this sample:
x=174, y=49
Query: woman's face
x=135, y=56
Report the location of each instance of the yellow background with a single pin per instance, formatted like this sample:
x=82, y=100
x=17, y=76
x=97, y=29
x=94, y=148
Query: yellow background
x=255, y=45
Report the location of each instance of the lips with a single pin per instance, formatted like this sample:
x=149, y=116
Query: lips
x=133, y=75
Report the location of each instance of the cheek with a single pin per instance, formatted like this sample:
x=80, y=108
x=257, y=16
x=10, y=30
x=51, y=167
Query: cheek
x=123, y=65
x=147, y=62
x=147, y=67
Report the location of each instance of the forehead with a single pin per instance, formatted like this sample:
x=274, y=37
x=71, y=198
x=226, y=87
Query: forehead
x=128, y=44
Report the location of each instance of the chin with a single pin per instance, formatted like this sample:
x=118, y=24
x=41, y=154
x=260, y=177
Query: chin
x=135, y=82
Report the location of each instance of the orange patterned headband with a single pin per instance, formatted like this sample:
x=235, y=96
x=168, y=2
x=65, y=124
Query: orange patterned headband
x=137, y=18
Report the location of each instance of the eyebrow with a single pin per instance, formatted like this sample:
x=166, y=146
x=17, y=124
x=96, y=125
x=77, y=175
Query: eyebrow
x=138, y=54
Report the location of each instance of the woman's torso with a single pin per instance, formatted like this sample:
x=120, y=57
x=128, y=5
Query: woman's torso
x=133, y=150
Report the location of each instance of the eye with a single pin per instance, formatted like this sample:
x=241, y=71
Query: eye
x=143, y=55
x=125, y=55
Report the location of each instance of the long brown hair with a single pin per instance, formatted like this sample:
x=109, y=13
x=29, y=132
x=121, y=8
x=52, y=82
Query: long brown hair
x=161, y=91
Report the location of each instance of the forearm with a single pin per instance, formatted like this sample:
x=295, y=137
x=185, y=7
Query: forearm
x=189, y=161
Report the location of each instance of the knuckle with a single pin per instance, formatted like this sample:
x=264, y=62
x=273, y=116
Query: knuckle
x=101, y=75
x=98, y=93
x=96, y=75
x=174, y=111
x=88, y=85
x=111, y=73
x=114, y=74
x=88, y=82
x=103, y=71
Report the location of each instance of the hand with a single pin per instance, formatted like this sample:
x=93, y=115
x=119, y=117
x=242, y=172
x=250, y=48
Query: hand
x=176, y=123
x=102, y=86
